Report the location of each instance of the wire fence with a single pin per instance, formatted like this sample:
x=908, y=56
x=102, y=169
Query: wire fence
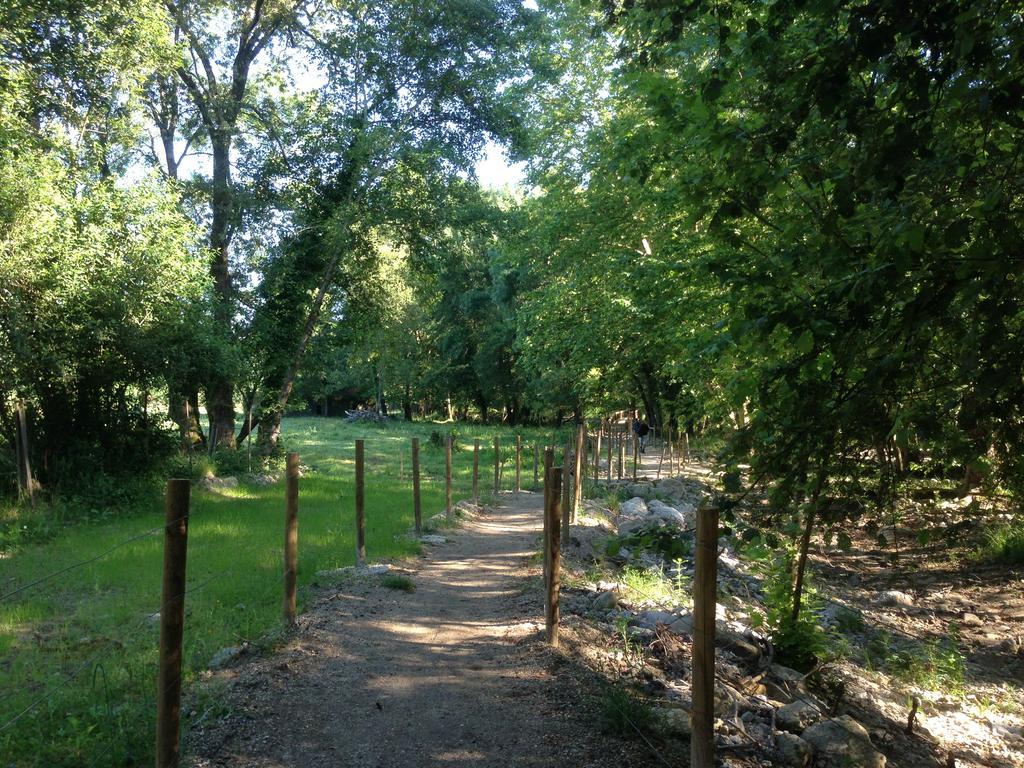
x=500, y=468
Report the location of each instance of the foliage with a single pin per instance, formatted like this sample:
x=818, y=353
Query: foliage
x=800, y=642
x=644, y=584
x=398, y=582
x=623, y=713
x=935, y=664
x=1004, y=543
x=665, y=540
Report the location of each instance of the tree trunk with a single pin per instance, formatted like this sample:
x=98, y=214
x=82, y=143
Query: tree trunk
x=407, y=402
x=805, y=539
x=220, y=404
x=270, y=419
x=181, y=411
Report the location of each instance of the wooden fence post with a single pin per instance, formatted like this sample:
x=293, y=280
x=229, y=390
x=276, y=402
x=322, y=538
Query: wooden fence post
x=610, y=441
x=549, y=461
x=622, y=454
x=172, y=624
x=291, y=534
x=702, y=741
x=566, y=505
x=497, y=466
x=476, y=471
x=448, y=478
x=417, y=509
x=519, y=460
x=360, y=506
x=661, y=458
x=578, y=465
x=671, y=455
x=553, y=513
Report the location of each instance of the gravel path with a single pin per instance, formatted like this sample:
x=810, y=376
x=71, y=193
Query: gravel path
x=452, y=674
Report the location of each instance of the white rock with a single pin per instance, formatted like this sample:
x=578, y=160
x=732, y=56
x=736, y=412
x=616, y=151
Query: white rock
x=433, y=538
x=635, y=507
x=793, y=751
x=677, y=721
x=843, y=741
x=894, y=597
x=797, y=716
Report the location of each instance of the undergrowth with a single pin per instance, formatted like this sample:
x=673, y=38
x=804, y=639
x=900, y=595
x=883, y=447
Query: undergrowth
x=799, y=643
x=1004, y=544
x=623, y=713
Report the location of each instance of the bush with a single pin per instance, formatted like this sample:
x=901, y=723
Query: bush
x=1005, y=544
x=799, y=643
x=623, y=713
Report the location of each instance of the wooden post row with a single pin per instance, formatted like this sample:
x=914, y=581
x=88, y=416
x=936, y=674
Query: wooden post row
x=291, y=534
x=448, y=478
x=519, y=454
x=417, y=508
x=476, y=471
x=577, y=470
x=172, y=624
x=497, y=465
x=671, y=455
x=702, y=740
x=566, y=492
x=610, y=441
x=360, y=506
x=553, y=513
x=549, y=461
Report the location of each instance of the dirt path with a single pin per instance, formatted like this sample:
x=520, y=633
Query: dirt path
x=453, y=674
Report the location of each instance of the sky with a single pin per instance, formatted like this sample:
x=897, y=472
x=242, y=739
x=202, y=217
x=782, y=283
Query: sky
x=495, y=172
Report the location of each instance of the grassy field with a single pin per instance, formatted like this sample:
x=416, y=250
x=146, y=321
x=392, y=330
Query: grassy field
x=78, y=652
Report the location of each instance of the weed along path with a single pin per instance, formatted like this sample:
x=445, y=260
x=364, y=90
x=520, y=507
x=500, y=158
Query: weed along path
x=453, y=673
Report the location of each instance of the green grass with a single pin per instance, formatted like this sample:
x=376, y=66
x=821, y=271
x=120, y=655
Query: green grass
x=398, y=582
x=85, y=643
x=1004, y=544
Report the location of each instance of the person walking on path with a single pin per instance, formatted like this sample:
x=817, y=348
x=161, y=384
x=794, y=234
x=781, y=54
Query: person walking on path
x=642, y=429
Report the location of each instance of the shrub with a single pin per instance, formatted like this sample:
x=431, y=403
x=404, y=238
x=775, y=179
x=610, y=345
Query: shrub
x=623, y=713
x=1005, y=543
x=399, y=582
x=799, y=643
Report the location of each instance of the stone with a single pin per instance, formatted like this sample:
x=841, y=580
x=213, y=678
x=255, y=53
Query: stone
x=634, y=507
x=683, y=625
x=739, y=645
x=652, y=619
x=433, y=538
x=605, y=601
x=640, y=489
x=675, y=721
x=843, y=741
x=895, y=597
x=793, y=751
x=971, y=620
x=786, y=675
x=798, y=715
x=225, y=657
x=662, y=511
